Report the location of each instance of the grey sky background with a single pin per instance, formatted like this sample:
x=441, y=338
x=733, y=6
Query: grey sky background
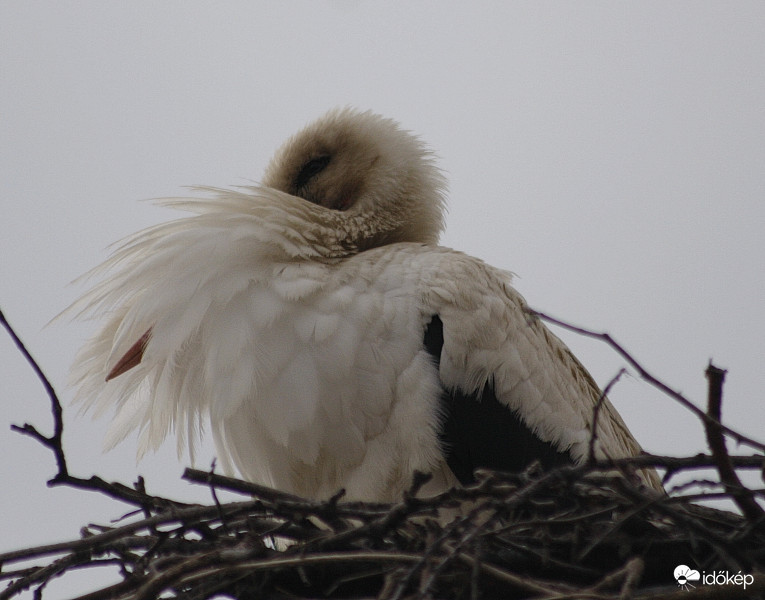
x=611, y=154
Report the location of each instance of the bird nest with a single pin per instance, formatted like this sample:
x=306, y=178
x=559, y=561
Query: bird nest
x=582, y=531
x=574, y=532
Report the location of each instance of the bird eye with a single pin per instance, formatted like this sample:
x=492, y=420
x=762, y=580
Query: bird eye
x=310, y=169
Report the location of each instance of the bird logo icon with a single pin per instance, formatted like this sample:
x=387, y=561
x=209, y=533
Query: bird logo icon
x=684, y=575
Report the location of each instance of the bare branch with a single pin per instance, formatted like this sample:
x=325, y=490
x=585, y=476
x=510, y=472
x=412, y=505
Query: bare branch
x=644, y=374
x=596, y=413
x=741, y=496
x=53, y=442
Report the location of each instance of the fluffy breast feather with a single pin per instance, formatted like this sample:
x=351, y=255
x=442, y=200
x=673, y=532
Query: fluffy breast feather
x=309, y=371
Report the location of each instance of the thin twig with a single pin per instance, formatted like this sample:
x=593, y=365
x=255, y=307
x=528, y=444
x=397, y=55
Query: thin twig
x=605, y=337
x=54, y=442
x=596, y=413
x=741, y=496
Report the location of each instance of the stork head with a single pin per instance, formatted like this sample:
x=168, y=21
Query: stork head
x=381, y=178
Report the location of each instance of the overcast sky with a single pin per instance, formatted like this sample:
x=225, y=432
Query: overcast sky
x=611, y=154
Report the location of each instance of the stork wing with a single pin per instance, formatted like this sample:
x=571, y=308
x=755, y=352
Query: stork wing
x=480, y=432
x=512, y=391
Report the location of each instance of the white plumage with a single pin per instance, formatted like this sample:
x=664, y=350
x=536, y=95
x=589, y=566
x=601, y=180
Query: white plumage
x=325, y=336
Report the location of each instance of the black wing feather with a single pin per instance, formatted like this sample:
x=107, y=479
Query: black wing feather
x=480, y=432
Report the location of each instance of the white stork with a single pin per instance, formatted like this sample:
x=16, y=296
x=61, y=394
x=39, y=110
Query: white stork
x=327, y=338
